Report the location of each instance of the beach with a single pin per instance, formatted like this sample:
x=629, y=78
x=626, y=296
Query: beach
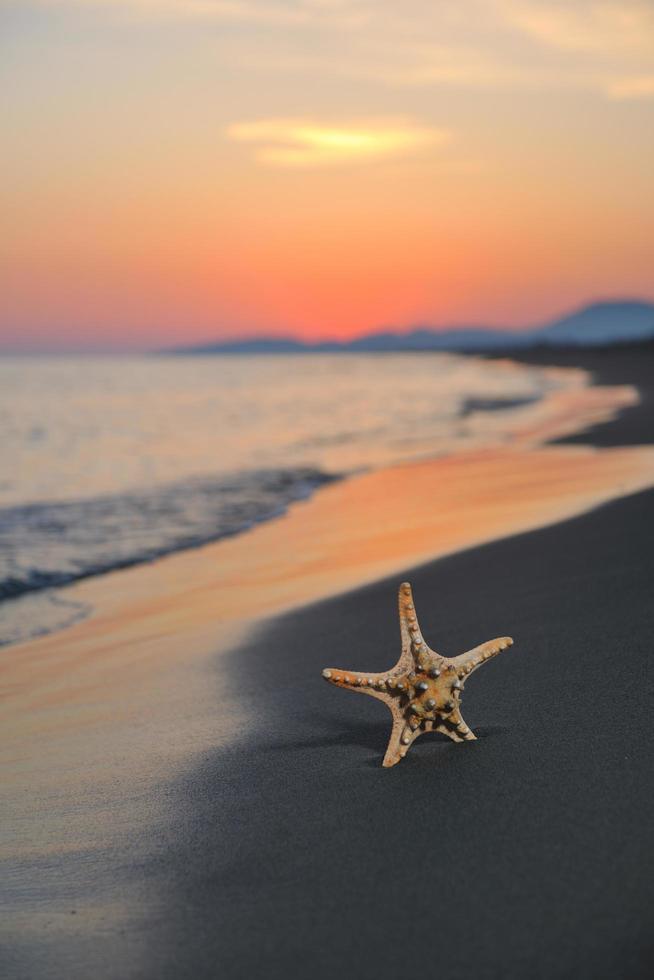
x=187, y=798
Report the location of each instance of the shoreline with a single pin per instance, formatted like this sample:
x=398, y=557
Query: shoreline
x=181, y=610
x=218, y=695
x=629, y=363
x=560, y=416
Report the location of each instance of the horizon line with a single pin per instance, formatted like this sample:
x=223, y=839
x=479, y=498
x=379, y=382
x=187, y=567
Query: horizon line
x=260, y=337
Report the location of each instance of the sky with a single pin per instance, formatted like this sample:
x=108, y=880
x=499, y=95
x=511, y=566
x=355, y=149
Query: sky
x=182, y=170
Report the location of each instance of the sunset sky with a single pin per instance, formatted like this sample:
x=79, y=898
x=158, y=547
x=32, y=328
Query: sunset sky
x=179, y=170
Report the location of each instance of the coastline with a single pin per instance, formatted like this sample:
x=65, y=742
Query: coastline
x=140, y=652
x=104, y=532
x=42, y=601
x=629, y=363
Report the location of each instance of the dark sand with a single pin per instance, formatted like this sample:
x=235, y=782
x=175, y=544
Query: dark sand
x=526, y=854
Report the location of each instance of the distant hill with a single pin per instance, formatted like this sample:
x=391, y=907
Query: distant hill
x=602, y=323
x=610, y=322
x=428, y=338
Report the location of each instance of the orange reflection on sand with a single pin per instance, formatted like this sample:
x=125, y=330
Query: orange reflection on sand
x=351, y=532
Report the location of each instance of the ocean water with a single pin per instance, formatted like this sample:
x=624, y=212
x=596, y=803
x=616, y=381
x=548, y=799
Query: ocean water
x=109, y=462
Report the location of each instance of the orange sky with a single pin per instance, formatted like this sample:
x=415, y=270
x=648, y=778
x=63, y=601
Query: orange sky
x=179, y=170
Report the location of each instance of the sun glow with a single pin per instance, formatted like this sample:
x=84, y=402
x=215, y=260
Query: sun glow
x=305, y=143
x=184, y=170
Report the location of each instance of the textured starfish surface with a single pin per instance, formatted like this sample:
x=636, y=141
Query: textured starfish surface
x=423, y=690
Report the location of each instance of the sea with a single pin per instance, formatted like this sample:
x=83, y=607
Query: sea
x=108, y=462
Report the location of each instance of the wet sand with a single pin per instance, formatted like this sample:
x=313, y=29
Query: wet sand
x=263, y=837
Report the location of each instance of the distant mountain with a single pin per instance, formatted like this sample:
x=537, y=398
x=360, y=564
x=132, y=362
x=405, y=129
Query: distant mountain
x=610, y=322
x=602, y=323
x=427, y=338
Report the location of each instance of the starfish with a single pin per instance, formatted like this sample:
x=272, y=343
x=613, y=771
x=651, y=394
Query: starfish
x=423, y=690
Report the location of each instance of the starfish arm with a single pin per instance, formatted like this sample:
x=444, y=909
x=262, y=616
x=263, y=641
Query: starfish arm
x=444, y=730
x=400, y=738
x=408, y=618
x=354, y=680
x=375, y=684
x=414, y=648
x=393, y=749
x=455, y=728
x=472, y=659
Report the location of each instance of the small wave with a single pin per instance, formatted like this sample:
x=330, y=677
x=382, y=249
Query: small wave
x=37, y=614
x=45, y=545
x=100, y=464
x=471, y=405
